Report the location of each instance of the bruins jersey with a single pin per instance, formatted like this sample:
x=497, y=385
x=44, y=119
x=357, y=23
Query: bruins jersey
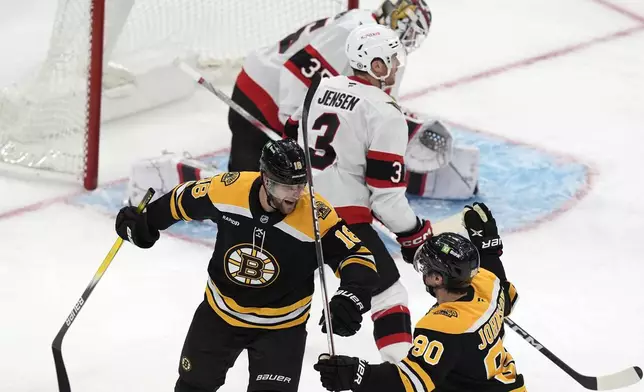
x=458, y=346
x=261, y=274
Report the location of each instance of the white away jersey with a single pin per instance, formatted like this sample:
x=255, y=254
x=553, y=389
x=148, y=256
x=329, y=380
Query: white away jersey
x=358, y=137
x=277, y=77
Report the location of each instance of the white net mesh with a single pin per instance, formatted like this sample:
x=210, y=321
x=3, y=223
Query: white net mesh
x=43, y=117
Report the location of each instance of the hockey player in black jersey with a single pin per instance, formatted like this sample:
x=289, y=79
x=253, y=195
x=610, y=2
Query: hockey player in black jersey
x=260, y=282
x=458, y=344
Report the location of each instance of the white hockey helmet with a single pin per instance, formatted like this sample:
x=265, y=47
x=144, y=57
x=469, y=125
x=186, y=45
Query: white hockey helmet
x=374, y=41
x=410, y=19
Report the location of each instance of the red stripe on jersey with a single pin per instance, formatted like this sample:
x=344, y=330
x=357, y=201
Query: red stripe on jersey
x=384, y=156
x=393, y=339
x=416, y=182
x=187, y=172
x=385, y=183
x=180, y=172
x=386, y=312
x=423, y=182
x=414, y=131
x=261, y=99
x=297, y=73
x=303, y=61
x=314, y=53
x=354, y=214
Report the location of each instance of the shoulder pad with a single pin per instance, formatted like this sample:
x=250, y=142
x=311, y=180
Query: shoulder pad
x=232, y=188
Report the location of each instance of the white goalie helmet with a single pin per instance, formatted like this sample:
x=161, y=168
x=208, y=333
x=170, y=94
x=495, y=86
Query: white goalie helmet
x=369, y=42
x=410, y=19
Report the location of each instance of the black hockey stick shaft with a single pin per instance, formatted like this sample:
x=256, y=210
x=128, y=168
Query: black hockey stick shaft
x=613, y=381
x=316, y=222
x=274, y=136
x=56, y=346
x=196, y=76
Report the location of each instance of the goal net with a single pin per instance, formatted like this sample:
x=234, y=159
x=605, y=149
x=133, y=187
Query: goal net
x=50, y=120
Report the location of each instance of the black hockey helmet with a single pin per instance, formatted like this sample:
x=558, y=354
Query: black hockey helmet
x=283, y=162
x=452, y=256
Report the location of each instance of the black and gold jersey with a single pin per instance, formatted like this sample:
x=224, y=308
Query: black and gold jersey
x=261, y=273
x=458, y=346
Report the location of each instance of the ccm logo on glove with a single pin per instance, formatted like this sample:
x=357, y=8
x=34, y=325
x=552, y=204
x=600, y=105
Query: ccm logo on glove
x=352, y=297
x=416, y=241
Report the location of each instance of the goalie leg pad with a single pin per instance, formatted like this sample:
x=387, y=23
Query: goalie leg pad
x=163, y=173
x=455, y=181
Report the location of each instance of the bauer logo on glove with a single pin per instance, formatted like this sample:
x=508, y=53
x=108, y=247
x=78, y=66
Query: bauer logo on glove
x=482, y=230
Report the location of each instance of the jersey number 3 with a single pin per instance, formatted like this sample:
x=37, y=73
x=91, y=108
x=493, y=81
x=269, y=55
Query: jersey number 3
x=323, y=155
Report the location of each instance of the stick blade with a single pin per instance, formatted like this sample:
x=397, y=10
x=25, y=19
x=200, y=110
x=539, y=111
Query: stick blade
x=61, y=372
x=621, y=379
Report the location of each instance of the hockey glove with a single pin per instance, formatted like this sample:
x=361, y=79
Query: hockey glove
x=410, y=241
x=481, y=227
x=346, y=313
x=342, y=373
x=133, y=227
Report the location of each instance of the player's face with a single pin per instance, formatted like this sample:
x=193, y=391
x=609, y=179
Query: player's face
x=391, y=79
x=285, y=197
x=397, y=61
x=432, y=282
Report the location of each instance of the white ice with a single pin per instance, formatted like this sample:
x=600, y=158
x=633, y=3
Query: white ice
x=579, y=275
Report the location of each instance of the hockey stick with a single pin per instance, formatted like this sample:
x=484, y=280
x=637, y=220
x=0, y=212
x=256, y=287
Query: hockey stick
x=447, y=224
x=56, y=346
x=274, y=136
x=617, y=380
x=314, y=212
x=196, y=76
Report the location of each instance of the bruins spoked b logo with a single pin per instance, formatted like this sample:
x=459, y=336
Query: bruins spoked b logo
x=251, y=267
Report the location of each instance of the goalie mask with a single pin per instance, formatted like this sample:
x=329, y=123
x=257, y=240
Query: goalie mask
x=450, y=255
x=410, y=19
x=283, y=170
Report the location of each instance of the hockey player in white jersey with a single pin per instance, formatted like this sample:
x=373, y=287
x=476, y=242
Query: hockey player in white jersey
x=274, y=79
x=357, y=140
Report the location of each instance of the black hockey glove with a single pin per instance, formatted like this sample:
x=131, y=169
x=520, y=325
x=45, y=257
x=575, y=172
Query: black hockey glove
x=410, y=241
x=133, y=227
x=481, y=227
x=346, y=313
x=342, y=373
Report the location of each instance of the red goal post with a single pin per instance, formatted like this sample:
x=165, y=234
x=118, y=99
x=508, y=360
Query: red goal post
x=103, y=56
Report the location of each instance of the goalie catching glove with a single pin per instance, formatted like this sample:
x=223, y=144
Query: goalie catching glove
x=410, y=241
x=346, y=313
x=133, y=227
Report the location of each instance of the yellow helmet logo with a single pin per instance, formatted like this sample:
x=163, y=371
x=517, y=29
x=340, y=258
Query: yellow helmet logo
x=401, y=12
